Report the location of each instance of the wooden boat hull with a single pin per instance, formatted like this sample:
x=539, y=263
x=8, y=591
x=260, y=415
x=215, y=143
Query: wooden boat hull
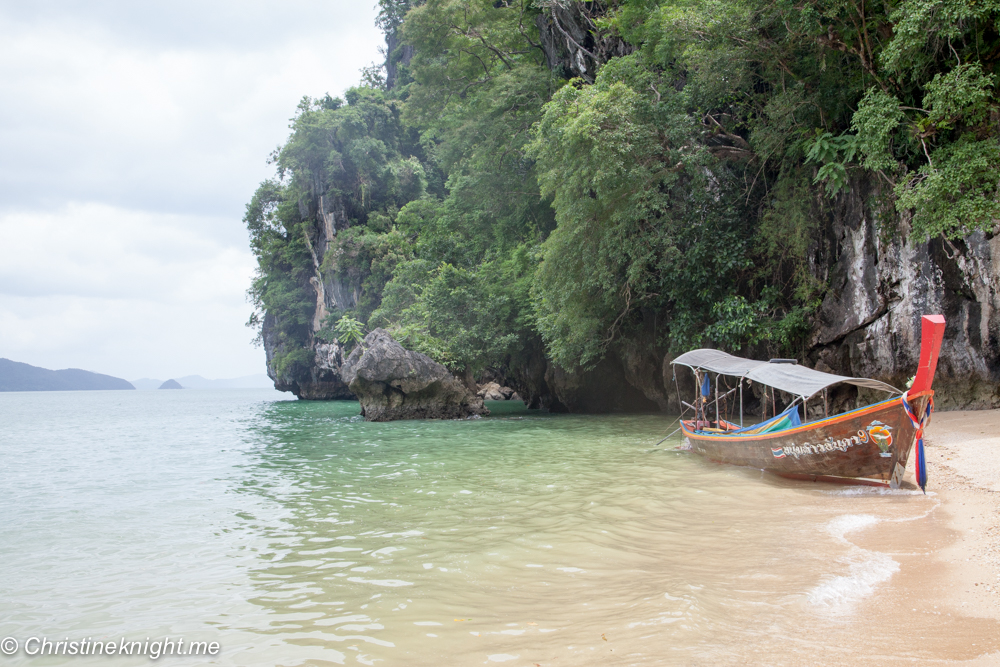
x=873, y=442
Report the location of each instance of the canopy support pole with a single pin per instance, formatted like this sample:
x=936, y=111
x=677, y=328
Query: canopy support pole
x=677, y=388
x=826, y=409
x=717, y=401
x=741, y=402
x=699, y=400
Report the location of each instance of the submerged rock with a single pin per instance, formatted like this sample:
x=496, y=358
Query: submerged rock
x=393, y=383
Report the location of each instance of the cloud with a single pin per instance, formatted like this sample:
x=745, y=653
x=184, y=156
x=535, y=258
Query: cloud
x=115, y=290
x=96, y=250
x=131, y=137
x=90, y=114
x=127, y=338
x=242, y=25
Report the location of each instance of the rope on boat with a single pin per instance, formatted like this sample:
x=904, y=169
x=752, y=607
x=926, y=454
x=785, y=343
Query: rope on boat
x=920, y=465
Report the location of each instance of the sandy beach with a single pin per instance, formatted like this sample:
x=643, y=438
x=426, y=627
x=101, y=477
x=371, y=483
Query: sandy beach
x=963, y=451
x=943, y=606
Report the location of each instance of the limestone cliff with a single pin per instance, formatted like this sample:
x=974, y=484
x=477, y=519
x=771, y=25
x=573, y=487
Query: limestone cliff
x=878, y=284
x=574, y=43
x=869, y=322
x=317, y=377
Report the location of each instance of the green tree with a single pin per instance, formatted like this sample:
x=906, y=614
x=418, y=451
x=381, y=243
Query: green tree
x=489, y=208
x=349, y=331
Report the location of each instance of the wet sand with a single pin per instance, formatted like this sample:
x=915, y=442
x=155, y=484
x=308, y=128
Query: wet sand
x=943, y=606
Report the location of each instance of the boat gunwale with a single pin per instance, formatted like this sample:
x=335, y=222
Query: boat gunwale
x=857, y=412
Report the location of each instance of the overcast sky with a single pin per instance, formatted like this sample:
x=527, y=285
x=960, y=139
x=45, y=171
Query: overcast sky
x=132, y=135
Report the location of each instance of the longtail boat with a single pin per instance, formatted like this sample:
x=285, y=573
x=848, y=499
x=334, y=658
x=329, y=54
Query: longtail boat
x=868, y=445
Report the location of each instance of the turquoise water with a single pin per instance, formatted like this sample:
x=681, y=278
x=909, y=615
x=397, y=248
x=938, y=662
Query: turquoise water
x=295, y=533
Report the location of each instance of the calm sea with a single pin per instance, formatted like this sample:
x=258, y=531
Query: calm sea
x=295, y=533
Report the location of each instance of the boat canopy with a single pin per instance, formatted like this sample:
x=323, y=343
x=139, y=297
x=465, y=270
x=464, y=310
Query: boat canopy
x=717, y=361
x=789, y=377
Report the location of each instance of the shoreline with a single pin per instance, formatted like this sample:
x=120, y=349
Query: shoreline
x=943, y=606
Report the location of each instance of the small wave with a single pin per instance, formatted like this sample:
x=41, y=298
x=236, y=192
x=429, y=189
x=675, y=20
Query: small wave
x=867, y=569
x=405, y=533
x=840, y=593
x=385, y=551
x=849, y=522
x=392, y=583
x=875, y=491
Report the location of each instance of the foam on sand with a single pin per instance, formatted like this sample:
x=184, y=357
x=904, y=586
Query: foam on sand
x=867, y=569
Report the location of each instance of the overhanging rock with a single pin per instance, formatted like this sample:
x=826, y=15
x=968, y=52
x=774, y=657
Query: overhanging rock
x=393, y=383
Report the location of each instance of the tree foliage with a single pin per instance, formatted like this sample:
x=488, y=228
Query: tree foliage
x=490, y=207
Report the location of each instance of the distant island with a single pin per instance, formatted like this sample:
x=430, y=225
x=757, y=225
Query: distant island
x=259, y=381
x=16, y=376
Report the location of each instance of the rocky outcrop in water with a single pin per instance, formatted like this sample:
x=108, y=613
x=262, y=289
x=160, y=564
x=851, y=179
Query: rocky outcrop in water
x=393, y=383
x=316, y=378
x=493, y=391
x=325, y=378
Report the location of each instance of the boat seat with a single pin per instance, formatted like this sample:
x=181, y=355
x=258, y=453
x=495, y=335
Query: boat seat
x=787, y=419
